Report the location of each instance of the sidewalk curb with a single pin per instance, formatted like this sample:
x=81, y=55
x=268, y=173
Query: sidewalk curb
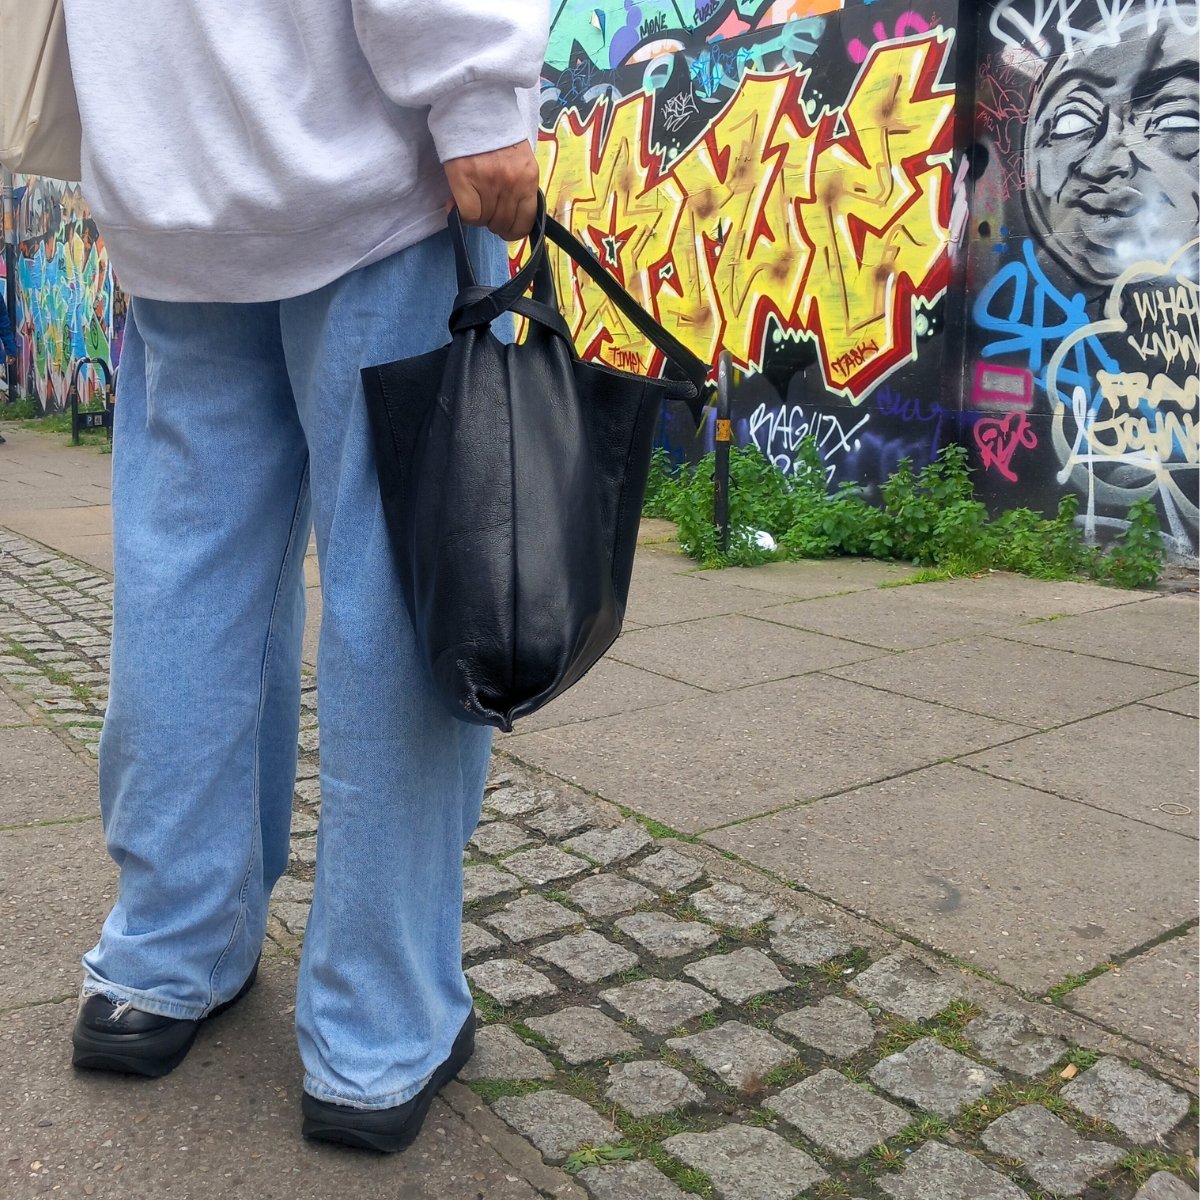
x=1061, y=1022
x=512, y=1147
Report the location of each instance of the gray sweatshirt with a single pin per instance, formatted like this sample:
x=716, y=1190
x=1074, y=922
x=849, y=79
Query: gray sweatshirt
x=244, y=150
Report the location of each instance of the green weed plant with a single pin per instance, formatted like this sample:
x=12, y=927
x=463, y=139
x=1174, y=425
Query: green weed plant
x=928, y=517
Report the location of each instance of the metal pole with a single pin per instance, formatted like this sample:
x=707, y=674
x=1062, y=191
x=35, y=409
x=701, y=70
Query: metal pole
x=723, y=440
x=8, y=235
x=73, y=394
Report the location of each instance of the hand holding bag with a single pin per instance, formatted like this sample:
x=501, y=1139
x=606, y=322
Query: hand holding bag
x=512, y=480
x=39, y=115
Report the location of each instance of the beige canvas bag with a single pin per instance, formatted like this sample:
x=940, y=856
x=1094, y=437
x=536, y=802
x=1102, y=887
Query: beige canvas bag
x=39, y=116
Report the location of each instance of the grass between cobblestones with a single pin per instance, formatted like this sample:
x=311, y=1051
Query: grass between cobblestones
x=80, y=691
x=726, y=1104
x=947, y=1027
x=975, y=1118
x=1139, y=1165
x=50, y=586
x=492, y=1090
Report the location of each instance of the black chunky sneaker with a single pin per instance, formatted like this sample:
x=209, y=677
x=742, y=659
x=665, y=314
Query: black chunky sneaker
x=110, y=1036
x=387, y=1130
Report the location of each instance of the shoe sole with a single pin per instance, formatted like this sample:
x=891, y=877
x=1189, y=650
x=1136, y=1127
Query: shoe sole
x=133, y=1054
x=351, y=1126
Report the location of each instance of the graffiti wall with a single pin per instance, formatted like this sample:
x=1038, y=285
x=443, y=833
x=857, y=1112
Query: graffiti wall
x=67, y=307
x=1083, y=257
x=775, y=178
x=909, y=223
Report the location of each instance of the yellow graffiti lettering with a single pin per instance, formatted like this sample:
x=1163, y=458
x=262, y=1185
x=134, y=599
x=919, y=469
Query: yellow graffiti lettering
x=828, y=225
x=862, y=195
x=1129, y=390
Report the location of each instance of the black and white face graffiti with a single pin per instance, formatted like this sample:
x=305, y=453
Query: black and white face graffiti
x=1111, y=151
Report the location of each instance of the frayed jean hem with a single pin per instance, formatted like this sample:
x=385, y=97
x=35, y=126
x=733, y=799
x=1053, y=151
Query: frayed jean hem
x=145, y=1002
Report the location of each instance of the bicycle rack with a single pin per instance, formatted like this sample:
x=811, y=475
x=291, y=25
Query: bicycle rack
x=92, y=418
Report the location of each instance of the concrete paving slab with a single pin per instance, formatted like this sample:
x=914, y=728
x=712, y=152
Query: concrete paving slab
x=312, y=571
x=1151, y=998
x=663, y=592
x=1019, y=883
x=722, y=653
x=43, y=472
x=813, y=577
x=663, y=535
x=48, y=525
x=902, y=618
x=11, y=713
x=703, y=763
x=57, y=884
x=1160, y=632
x=312, y=627
x=225, y=1123
x=41, y=780
x=1011, y=681
x=95, y=549
x=1185, y=701
x=610, y=687
x=1136, y=761
x=1025, y=599
x=90, y=493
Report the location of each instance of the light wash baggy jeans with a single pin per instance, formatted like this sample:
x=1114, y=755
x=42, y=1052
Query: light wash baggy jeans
x=234, y=422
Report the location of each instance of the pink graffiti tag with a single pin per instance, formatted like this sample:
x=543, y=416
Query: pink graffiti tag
x=998, y=439
x=908, y=22
x=1002, y=387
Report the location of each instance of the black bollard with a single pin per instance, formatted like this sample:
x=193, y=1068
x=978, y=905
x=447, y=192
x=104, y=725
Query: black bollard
x=723, y=441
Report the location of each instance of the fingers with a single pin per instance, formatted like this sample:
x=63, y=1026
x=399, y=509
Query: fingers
x=525, y=216
x=504, y=219
x=497, y=189
x=469, y=201
x=489, y=198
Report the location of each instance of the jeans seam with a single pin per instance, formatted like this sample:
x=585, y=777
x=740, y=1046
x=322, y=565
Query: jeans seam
x=288, y=550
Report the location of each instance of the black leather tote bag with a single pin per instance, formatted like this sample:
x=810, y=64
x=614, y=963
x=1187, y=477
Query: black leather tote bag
x=512, y=479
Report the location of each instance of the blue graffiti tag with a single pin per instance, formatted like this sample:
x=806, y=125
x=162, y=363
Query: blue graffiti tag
x=1032, y=317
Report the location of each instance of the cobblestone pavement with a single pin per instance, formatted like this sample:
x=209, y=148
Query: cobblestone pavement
x=662, y=1030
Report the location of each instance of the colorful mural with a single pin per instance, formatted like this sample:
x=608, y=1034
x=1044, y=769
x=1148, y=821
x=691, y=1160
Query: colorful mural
x=1085, y=258
x=911, y=222
x=66, y=304
x=784, y=220
x=777, y=179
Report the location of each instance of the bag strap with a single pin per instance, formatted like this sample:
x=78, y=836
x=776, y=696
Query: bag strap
x=477, y=305
x=691, y=367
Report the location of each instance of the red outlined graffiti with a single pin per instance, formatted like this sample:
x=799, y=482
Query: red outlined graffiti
x=782, y=220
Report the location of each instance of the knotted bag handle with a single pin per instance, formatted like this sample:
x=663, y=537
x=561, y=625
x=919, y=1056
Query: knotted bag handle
x=477, y=305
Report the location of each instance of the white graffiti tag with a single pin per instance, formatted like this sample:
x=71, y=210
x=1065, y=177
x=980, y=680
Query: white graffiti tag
x=1024, y=26
x=1138, y=434
x=778, y=432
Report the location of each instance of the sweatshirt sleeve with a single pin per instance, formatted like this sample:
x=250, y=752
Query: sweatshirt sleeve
x=463, y=59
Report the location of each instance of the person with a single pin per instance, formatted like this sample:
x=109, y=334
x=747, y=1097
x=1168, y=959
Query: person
x=8, y=340
x=272, y=185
